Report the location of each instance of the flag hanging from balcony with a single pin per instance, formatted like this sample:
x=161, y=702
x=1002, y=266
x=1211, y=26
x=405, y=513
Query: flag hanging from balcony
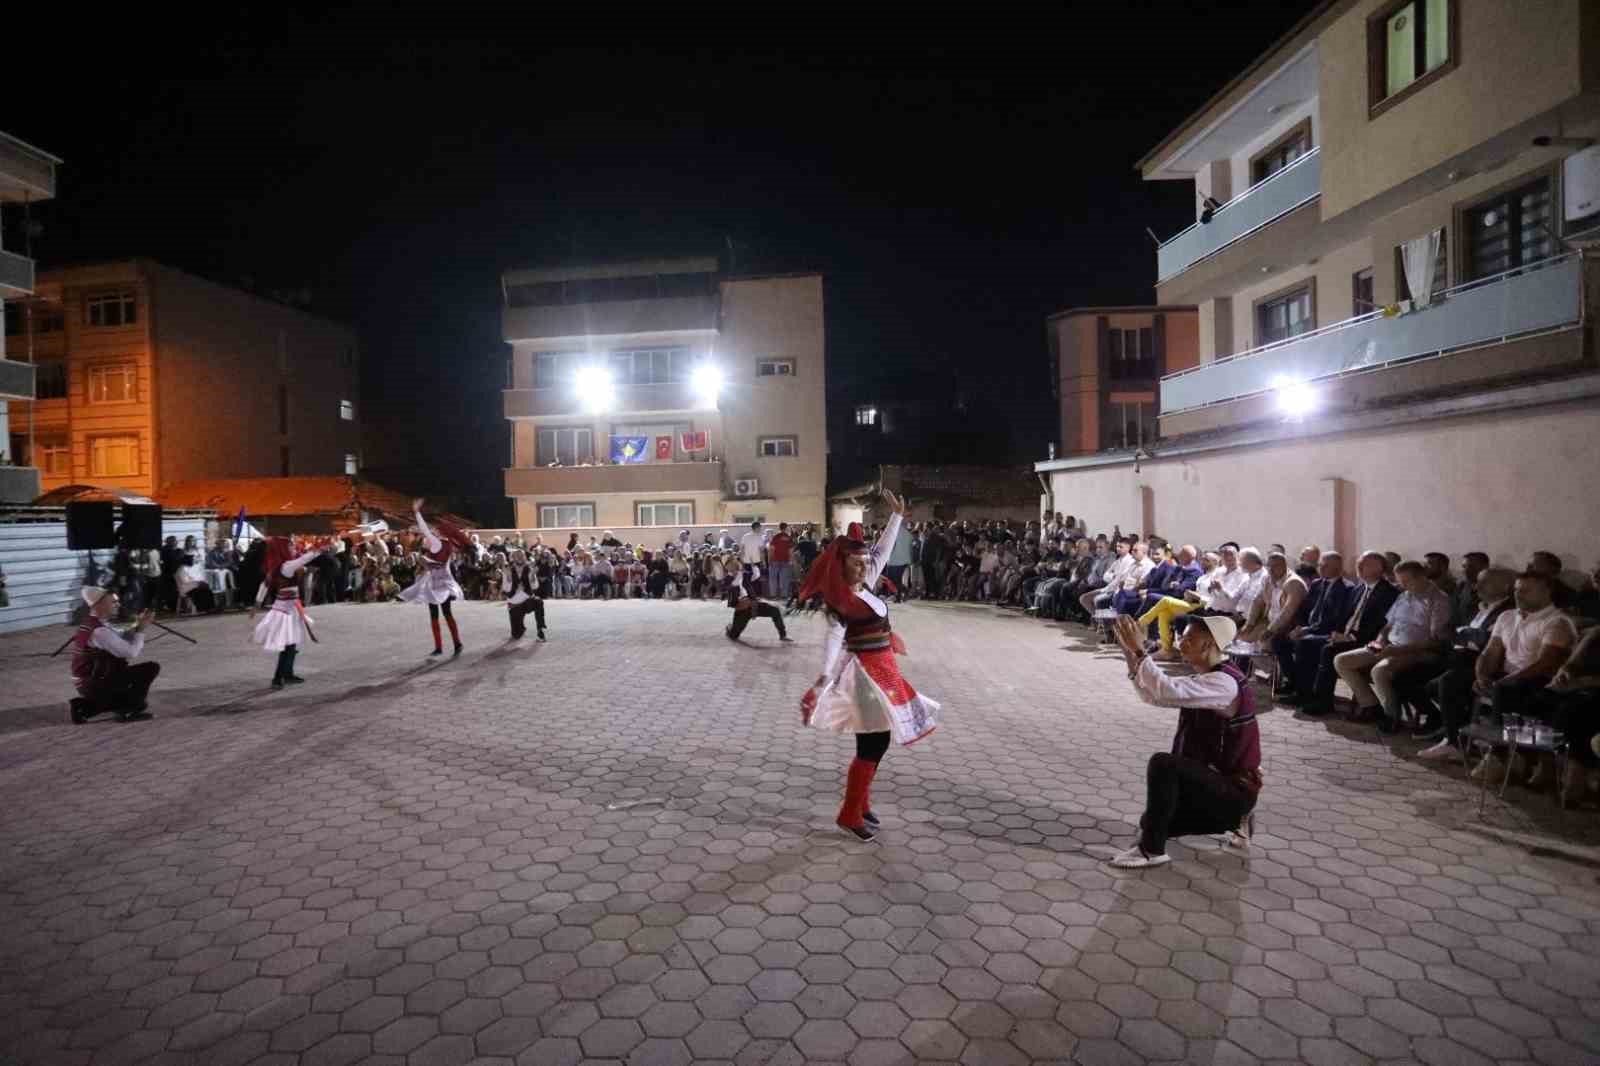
x=629, y=449
x=663, y=449
x=694, y=442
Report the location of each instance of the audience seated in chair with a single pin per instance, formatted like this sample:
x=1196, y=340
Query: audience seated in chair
x=1374, y=596
x=1414, y=637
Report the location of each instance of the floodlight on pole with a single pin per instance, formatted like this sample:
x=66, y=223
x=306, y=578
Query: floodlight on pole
x=1296, y=399
x=707, y=383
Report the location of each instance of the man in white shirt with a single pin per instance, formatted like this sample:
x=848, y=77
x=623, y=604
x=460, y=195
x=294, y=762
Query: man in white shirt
x=1415, y=634
x=1228, y=583
x=103, y=670
x=752, y=545
x=1528, y=645
x=1130, y=592
x=1111, y=580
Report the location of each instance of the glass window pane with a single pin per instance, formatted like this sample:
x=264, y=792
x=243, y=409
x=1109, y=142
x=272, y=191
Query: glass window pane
x=1400, y=50
x=1436, y=45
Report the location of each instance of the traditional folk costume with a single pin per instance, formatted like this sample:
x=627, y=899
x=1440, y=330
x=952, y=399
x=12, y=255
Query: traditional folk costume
x=1209, y=781
x=435, y=585
x=285, y=625
x=522, y=590
x=747, y=605
x=862, y=691
x=103, y=670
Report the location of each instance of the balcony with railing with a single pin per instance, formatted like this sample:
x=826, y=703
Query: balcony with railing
x=670, y=316
x=1541, y=298
x=1295, y=185
x=628, y=477
x=564, y=400
x=16, y=380
x=16, y=275
x=26, y=173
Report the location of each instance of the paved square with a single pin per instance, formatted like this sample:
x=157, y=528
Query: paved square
x=617, y=847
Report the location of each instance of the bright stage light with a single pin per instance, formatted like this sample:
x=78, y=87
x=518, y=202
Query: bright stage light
x=707, y=382
x=1296, y=399
x=594, y=388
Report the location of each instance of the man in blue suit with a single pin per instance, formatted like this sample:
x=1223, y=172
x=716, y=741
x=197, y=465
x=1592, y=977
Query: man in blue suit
x=1372, y=596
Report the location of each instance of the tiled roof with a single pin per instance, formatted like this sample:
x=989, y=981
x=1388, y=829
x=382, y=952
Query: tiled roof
x=267, y=496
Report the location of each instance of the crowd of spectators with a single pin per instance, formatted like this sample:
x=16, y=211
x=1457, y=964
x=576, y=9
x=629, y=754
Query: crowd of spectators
x=1418, y=646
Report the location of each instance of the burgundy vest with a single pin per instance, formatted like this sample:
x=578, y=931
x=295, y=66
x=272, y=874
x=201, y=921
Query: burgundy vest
x=1230, y=746
x=90, y=664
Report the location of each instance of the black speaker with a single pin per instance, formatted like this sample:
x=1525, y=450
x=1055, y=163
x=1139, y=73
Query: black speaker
x=89, y=526
x=141, y=526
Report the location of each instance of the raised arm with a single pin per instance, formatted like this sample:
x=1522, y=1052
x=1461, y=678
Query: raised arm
x=879, y=556
x=294, y=566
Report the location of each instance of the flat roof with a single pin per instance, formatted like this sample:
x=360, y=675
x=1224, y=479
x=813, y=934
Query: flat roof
x=1318, y=10
x=634, y=268
x=1146, y=309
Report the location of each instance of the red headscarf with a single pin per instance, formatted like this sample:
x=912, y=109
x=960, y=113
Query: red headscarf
x=826, y=576
x=450, y=533
x=279, y=551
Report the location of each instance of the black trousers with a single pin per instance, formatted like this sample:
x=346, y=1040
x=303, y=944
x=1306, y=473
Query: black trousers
x=124, y=690
x=1326, y=678
x=519, y=611
x=758, y=608
x=871, y=746
x=1184, y=797
x=433, y=608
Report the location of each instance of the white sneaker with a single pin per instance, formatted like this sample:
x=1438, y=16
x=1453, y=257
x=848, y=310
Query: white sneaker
x=1135, y=859
x=1490, y=767
x=1439, y=752
x=1237, y=839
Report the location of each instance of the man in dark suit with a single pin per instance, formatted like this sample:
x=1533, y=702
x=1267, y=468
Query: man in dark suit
x=1374, y=595
x=1323, y=612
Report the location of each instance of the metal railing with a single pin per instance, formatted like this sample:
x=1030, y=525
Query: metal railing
x=1298, y=183
x=1524, y=301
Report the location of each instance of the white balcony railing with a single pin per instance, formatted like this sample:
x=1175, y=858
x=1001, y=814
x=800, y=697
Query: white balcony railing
x=16, y=275
x=1539, y=298
x=1298, y=183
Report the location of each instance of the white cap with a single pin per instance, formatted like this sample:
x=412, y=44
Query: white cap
x=92, y=594
x=1223, y=629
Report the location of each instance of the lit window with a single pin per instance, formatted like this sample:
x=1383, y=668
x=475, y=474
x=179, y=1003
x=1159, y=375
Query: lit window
x=665, y=514
x=352, y=463
x=1408, y=41
x=113, y=383
x=114, y=456
x=111, y=309
x=866, y=415
x=347, y=410
x=775, y=368
x=778, y=448
x=54, y=457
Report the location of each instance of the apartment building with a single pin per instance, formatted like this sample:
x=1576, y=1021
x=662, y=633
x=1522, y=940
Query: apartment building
x=27, y=175
x=664, y=393
x=1106, y=364
x=1393, y=207
x=148, y=376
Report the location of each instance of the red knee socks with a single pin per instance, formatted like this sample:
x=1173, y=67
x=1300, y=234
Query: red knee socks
x=438, y=641
x=857, y=783
x=455, y=634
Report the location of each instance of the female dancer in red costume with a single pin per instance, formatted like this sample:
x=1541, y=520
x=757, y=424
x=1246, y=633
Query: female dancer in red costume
x=860, y=689
x=435, y=585
x=285, y=626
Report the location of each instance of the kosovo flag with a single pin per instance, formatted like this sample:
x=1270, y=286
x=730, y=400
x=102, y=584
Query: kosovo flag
x=629, y=449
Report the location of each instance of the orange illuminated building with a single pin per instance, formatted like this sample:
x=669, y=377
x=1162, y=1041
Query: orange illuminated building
x=1106, y=363
x=146, y=376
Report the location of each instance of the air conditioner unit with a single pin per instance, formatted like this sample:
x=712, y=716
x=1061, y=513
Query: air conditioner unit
x=1580, y=184
x=746, y=486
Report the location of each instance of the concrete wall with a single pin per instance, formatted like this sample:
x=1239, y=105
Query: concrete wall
x=613, y=510
x=1506, y=483
x=221, y=355
x=1516, y=61
x=768, y=318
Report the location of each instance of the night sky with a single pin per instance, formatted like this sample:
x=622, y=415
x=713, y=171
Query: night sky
x=953, y=195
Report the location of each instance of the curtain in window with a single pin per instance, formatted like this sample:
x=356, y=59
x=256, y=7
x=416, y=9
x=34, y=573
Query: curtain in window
x=1417, y=256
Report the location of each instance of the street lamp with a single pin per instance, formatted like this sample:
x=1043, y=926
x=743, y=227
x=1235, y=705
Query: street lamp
x=594, y=388
x=707, y=383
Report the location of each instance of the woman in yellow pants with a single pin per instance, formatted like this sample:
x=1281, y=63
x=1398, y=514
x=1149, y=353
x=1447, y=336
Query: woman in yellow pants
x=1169, y=608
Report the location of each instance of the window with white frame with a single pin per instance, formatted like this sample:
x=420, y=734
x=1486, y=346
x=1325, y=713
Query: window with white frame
x=775, y=368
x=352, y=463
x=111, y=309
x=347, y=410
x=778, y=448
x=566, y=515
x=658, y=513
x=114, y=383
x=866, y=415
x=566, y=445
x=114, y=456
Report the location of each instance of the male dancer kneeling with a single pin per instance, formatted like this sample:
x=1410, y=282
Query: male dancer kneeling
x=746, y=605
x=1209, y=782
x=521, y=586
x=101, y=660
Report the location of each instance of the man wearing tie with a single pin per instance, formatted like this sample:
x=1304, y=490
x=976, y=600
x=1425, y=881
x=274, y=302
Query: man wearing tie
x=1325, y=610
x=1374, y=597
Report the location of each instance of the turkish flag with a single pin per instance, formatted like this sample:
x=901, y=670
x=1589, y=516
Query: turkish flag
x=663, y=449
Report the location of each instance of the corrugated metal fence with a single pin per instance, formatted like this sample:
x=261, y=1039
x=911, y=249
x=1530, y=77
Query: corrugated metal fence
x=43, y=576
